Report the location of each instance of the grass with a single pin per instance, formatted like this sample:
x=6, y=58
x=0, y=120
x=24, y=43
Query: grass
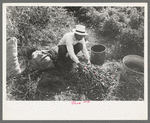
x=60, y=84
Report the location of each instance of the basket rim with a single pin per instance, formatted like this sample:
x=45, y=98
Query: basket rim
x=142, y=73
x=98, y=45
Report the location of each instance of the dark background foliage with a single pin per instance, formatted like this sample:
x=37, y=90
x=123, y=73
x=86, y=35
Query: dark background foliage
x=46, y=25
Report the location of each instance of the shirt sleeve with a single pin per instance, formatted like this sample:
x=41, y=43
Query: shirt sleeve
x=71, y=51
x=85, y=51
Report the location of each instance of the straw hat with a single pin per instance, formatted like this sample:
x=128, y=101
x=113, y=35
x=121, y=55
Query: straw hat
x=80, y=30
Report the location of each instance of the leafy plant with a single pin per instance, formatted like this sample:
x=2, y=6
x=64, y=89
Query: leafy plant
x=135, y=21
x=111, y=28
x=132, y=41
x=84, y=14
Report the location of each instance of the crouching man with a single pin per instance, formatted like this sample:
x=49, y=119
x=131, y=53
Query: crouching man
x=72, y=43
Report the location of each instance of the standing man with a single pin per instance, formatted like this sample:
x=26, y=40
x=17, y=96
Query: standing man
x=72, y=43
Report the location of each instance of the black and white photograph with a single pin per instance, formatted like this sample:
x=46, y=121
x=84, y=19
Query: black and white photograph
x=76, y=53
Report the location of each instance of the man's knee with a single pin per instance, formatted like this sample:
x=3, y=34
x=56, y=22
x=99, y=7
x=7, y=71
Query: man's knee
x=62, y=50
x=78, y=47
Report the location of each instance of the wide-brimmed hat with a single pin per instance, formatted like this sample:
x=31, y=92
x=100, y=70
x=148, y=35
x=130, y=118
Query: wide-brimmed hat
x=80, y=30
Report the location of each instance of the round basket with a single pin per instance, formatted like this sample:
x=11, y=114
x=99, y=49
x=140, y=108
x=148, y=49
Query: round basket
x=98, y=54
x=133, y=69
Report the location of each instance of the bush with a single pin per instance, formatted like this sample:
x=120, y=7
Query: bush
x=85, y=15
x=98, y=19
x=99, y=9
x=111, y=28
x=121, y=17
x=132, y=41
x=124, y=26
x=135, y=21
x=30, y=23
x=39, y=16
x=112, y=24
x=136, y=15
x=111, y=11
x=128, y=11
x=22, y=19
x=74, y=10
x=92, y=17
x=33, y=26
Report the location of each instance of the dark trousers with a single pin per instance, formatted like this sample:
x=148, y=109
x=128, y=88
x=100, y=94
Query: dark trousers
x=62, y=50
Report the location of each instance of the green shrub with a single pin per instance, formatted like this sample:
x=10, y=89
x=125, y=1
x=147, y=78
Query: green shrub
x=98, y=19
x=111, y=28
x=30, y=23
x=132, y=41
x=123, y=23
x=142, y=11
x=121, y=17
x=128, y=11
x=122, y=9
x=85, y=15
x=116, y=14
x=135, y=21
x=114, y=21
x=39, y=16
x=93, y=17
x=33, y=25
x=111, y=11
x=72, y=9
x=136, y=15
x=99, y=9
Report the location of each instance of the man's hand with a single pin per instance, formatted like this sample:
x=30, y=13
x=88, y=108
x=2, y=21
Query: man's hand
x=88, y=63
x=81, y=66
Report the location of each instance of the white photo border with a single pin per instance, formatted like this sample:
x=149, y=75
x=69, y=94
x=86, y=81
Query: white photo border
x=63, y=110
